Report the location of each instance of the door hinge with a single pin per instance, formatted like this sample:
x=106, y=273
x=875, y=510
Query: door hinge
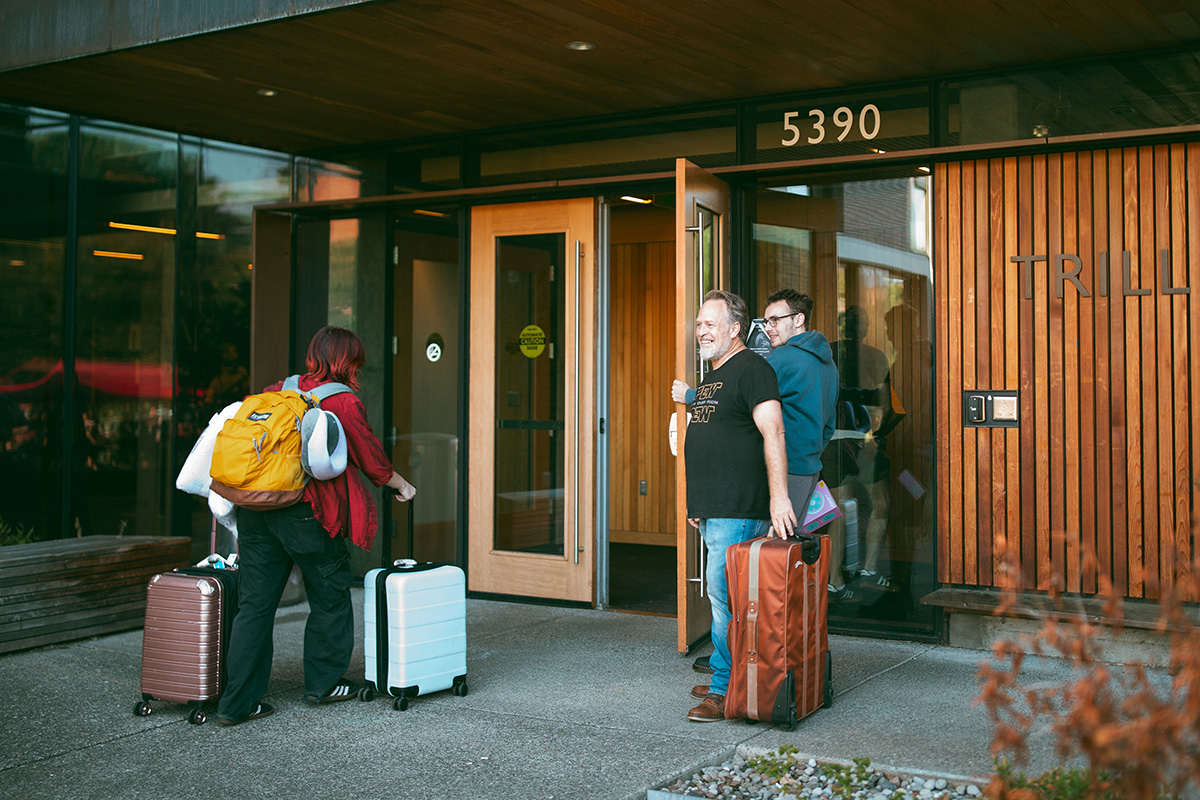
x=395, y=255
x=395, y=345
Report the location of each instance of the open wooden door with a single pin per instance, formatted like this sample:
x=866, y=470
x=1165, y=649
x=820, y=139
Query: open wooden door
x=701, y=264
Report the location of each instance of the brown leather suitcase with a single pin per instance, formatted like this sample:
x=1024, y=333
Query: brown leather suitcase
x=188, y=616
x=778, y=639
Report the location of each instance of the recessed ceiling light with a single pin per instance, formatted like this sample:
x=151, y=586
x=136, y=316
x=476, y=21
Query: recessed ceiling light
x=581, y=46
x=1123, y=110
x=266, y=92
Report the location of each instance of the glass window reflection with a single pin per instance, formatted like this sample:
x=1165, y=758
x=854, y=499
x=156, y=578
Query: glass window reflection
x=33, y=160
x=213, y=302
x=860, y=250
x=124, y=331
x=1126, y=94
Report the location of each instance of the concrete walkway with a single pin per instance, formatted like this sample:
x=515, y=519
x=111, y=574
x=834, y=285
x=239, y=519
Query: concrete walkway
x=563, y=703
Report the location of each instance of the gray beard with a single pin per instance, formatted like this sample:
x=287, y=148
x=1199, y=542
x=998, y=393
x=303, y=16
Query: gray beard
x=714, y=352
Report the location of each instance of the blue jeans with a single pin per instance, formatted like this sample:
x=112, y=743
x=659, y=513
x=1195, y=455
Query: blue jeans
x=718, y=535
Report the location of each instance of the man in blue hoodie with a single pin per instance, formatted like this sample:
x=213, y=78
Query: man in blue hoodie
x=808, y=391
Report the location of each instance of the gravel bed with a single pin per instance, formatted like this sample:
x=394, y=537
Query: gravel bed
x=775, y=775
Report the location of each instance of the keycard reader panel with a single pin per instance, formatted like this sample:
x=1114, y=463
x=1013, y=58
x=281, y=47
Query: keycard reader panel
x=985, y=408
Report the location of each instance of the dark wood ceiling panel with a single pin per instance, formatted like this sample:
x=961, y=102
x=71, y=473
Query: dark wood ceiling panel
x=399, y=69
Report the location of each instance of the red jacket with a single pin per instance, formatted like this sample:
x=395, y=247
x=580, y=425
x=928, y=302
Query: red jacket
x=344, y=505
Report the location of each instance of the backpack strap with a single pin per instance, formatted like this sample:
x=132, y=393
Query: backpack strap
x=318, y=393
x=327, y=390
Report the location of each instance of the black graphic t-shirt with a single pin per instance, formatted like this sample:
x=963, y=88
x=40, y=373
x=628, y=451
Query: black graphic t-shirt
x=726, y=471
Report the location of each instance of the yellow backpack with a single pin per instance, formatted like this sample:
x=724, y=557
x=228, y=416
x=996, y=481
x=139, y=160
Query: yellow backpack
x=256, y=459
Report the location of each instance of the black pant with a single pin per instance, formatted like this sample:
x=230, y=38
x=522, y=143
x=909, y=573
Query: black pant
x=268, y=543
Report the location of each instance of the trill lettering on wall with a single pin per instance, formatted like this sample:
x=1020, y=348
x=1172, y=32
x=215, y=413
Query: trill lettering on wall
x=1067, y=267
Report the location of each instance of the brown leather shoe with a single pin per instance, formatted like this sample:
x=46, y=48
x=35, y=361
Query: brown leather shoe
x=699, y=692
x=711, y=710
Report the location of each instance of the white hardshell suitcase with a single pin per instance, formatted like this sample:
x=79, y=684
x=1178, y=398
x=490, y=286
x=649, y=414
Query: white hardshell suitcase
x=415, y=640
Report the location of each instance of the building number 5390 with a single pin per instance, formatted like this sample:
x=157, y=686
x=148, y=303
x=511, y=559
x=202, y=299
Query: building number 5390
x=843, y=118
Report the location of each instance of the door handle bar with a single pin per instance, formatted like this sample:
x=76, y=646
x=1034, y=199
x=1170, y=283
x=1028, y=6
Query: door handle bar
x=702, y=550
x=575, y=422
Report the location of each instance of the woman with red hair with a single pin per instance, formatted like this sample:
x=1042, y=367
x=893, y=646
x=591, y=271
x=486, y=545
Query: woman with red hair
x=312, y=534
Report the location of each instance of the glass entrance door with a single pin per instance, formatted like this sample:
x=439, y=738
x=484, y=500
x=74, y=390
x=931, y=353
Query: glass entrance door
x=701, y=264
x=532, y=374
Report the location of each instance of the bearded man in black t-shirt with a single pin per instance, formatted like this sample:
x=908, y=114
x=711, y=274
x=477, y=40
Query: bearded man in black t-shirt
x=736, y=462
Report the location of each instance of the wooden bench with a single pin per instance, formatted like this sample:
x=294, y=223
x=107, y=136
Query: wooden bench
x=68, y=589
x=1135, y=614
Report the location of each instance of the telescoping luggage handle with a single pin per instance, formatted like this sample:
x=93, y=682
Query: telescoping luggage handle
x=387, y=540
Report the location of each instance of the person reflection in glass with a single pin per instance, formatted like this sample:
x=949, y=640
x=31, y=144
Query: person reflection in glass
x=855, y=465
x=232, y=381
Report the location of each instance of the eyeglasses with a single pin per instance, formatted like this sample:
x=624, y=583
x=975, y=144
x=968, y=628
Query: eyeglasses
x=772, y=322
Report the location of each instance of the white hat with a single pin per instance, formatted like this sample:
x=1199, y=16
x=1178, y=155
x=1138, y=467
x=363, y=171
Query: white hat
x=323, y=444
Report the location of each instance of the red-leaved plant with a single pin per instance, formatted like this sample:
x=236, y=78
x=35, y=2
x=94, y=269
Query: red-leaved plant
x=1138, y=742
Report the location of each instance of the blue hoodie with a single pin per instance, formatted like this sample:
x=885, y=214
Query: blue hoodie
x=808, y=389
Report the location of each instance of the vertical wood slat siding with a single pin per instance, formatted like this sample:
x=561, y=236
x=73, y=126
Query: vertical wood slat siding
x=1039, y=360
x=1183, y=354
x=1161, y=354
x=991, y=574
x=1101, y=427
x=1026, y=532
x=1189, y=329
x=982, y=562
x=1087, y=424
x=1012, y=372
x=1052, y=366
x=1118, y=553
x=1097, y=483
x=942, y=323
x=1068, y=428
x=1134, y=474
x=642, y=292
x=968, y=345
x=954, y=371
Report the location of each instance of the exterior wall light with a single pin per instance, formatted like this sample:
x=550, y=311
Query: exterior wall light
x=580, y=46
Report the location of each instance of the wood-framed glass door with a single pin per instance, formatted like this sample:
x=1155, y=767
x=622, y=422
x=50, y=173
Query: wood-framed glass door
x=531, y=471
x=701, y=264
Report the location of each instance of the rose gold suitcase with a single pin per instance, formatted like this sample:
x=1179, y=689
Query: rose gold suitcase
x=188, y=616
x=778, y=639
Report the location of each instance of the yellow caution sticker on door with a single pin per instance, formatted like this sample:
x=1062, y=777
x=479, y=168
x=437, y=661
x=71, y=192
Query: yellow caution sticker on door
x=533, y=341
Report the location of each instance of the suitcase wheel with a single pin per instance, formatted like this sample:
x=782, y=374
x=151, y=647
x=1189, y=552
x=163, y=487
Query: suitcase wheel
x=460, y=686
x=400, y=703
x=366, y=693
x=141, y=709
x=197, y=716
